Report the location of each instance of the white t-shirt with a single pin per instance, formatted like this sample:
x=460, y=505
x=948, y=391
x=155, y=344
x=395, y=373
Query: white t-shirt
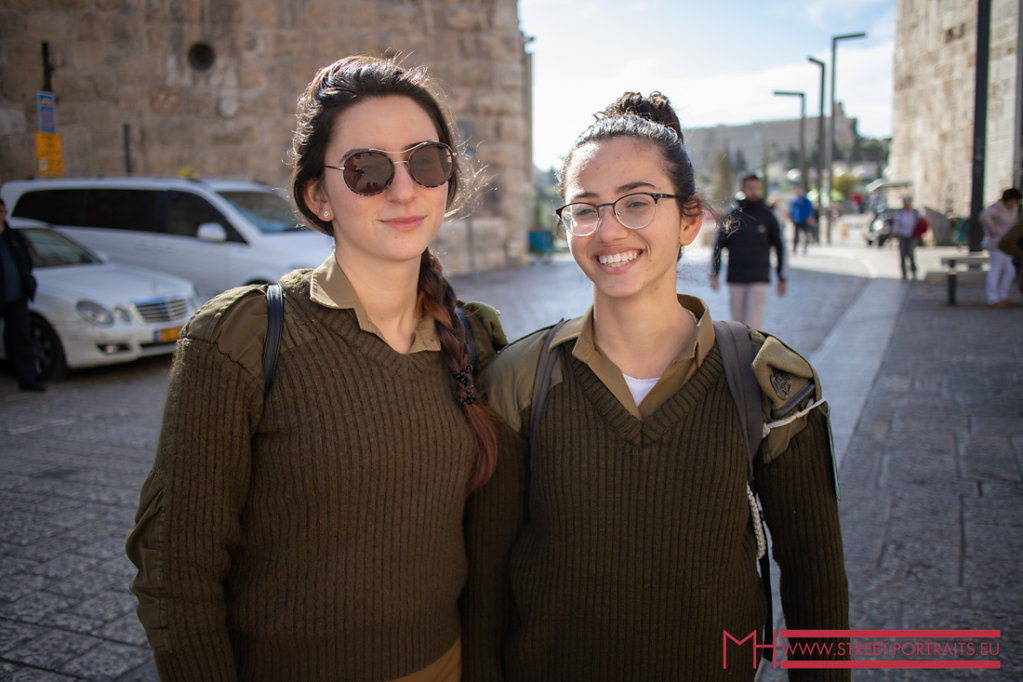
x=639, y=387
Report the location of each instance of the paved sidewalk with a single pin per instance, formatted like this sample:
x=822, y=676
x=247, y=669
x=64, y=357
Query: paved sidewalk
x=932, y=482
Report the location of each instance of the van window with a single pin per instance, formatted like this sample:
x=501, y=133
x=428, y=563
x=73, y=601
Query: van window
x=54, y=206
x=268, y=211
x=121, y=209
x=187, y=211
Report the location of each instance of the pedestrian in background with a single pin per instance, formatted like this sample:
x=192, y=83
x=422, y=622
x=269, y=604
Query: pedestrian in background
x=904, y=227
x=998, y=219
x=617, y=543
x=17, y=288
x=1011, y=243
x=801, y=214
x=314, y=531
x=749, y=233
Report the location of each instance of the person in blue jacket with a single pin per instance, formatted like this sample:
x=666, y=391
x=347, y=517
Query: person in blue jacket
x=803, y=219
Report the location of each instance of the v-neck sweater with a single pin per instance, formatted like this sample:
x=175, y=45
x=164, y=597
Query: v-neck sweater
x=315, y=534
x=632, y=551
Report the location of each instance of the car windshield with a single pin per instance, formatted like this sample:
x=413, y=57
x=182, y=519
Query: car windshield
x=269, y=211
x=50, y=248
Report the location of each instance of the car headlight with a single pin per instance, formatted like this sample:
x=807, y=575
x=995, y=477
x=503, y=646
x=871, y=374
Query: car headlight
x=94, y=313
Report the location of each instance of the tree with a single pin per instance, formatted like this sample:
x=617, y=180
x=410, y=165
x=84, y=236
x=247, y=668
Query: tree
x=845, y=183
x=740, y=165
x=724, y=180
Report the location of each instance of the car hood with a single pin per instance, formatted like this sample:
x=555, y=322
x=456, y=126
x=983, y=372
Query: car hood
x=109, y=283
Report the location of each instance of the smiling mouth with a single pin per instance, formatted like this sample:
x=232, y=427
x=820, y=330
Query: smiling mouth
x=619, y=259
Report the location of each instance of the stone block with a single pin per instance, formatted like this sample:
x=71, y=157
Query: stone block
x=108, y=661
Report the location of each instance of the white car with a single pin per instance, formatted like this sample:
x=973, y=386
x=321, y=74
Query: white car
x=215, y=233
x=88, y=312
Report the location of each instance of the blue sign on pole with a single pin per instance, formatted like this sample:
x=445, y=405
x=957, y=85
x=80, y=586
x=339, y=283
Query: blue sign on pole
x=46, y=103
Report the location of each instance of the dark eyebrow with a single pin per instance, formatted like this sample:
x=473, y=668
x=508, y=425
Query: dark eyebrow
x=622, y=190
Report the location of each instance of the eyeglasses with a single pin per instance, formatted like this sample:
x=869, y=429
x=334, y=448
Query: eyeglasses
x=370, y=171
x=635, y=211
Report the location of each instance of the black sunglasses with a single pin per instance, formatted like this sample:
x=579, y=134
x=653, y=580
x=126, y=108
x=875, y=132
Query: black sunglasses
x=370, y=171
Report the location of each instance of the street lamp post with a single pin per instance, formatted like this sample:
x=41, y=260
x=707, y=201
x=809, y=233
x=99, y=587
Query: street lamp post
x=831, y=136
x=820, y=144
x=802, y=132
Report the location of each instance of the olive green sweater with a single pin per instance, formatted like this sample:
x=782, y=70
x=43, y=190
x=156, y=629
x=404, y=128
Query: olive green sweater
x=633, y=550
x=313, y=535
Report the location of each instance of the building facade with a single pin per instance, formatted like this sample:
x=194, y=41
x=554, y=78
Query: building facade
x=933, y=104
x=160, y=87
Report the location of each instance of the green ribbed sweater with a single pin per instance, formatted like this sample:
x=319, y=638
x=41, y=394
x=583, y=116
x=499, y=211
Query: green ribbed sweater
x=635, y=549
x=318, y=535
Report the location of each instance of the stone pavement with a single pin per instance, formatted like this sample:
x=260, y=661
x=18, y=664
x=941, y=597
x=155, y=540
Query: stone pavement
x=927, y=402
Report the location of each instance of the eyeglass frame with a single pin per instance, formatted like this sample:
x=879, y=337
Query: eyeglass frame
x=387, y=155
x=656, y=196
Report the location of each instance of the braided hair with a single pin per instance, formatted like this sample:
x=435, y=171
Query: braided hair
x=334, y=89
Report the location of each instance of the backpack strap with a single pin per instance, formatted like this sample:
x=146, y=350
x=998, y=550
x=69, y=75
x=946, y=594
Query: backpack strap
x=737, y=356
x=274, y=329
x=470, y=340
x=541, y=384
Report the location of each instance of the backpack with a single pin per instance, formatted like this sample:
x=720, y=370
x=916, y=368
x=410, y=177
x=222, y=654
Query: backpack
x=921, y=227
x=737, y=357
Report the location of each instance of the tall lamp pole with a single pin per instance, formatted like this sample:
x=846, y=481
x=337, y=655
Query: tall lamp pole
x=831, y=136
x=820, y=143
x=802, y=131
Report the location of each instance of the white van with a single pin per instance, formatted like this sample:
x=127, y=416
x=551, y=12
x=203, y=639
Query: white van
x=216, y=233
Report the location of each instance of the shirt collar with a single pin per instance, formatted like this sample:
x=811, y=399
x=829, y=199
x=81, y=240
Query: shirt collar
x=330, y=287
x=580, y=330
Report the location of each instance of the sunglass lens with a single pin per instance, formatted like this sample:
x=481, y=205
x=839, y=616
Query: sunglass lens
x=368, y=172
x=430, y=165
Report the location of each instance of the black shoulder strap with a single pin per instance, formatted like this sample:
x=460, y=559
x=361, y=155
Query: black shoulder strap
x=470, y=340
x=274, y=328
x=737, y=356
x=542, y=381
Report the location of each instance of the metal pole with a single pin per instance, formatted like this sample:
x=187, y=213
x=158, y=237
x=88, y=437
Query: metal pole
x=980, y=122
x=803, y=177
x=820, y=141
x=126, y=132
x=831, y=135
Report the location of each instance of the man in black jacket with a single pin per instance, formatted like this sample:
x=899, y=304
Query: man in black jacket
x=17, y=288
x=749, y=232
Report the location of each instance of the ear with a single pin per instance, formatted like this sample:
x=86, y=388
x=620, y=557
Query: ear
x=690, y=224
x=315, y=197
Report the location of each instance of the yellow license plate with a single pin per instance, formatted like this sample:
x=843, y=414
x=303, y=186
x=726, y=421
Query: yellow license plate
x=168, y=335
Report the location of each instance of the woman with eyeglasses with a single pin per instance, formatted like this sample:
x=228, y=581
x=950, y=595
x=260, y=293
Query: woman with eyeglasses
x=625, y=544
x=314, y=531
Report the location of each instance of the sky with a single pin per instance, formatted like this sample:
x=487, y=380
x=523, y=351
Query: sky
x=718, y=61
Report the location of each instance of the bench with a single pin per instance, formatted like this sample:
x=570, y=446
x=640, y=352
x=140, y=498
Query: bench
x=952, y=264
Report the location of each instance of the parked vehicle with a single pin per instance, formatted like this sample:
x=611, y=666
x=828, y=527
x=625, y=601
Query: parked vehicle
x=215, y=233
x=87, y=312
x=879, y=229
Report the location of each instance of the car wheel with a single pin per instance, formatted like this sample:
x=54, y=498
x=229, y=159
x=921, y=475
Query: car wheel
x=50, y=361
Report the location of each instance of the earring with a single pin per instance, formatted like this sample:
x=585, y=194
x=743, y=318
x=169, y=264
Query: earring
x=326, y=215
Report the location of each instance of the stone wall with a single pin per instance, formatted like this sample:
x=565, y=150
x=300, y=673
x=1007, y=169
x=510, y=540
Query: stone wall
x=124, y=76
x=932, y=111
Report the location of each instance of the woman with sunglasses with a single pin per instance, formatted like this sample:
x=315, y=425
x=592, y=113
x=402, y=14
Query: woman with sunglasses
x=314, y=532
x=624, y=546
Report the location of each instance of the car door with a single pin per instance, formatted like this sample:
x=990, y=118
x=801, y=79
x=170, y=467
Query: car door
x=185, y=252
